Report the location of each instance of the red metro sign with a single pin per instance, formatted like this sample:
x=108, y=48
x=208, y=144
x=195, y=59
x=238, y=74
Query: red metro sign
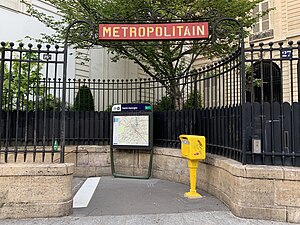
x=160, y=31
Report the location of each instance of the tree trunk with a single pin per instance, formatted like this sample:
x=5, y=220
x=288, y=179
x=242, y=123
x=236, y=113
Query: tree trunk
x=177, y=96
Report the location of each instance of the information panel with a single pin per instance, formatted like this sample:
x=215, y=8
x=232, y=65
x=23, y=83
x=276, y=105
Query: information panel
x=132, y=126
x=131, y=130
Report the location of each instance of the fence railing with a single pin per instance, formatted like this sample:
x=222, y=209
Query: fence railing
x=206, y=102
x=24, y=72
x=273, y=94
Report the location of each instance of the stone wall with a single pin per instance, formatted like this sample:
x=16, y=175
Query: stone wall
x=35, y=190
x=264, y=192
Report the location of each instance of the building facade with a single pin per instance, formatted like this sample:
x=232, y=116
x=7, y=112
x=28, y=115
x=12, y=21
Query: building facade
x=276, y=64
x=281, y=24
x=17, y=25
x=271, y=61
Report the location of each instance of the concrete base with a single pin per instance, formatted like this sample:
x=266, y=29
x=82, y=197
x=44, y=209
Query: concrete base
x=35, y=190
x=261, y=192
x=192, y=195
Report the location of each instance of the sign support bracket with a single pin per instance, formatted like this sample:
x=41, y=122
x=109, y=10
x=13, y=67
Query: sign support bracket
x=116, y=175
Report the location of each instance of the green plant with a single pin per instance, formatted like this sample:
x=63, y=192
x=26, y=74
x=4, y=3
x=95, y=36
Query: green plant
x=251, y=80
x=166, y=103
x=109, y=108
x=49, y=103
x=84, y=100
x=190, y=102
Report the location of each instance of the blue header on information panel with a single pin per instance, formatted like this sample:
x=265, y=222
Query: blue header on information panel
x=132, y=107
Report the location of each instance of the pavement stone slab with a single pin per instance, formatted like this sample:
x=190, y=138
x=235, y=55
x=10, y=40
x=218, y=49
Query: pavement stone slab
x=118, y=201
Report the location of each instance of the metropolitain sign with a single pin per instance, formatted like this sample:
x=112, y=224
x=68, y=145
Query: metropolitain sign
x=160, y=31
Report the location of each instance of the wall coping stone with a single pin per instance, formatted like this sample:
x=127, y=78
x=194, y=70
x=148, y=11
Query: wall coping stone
x=232, y=166
x=36, y=169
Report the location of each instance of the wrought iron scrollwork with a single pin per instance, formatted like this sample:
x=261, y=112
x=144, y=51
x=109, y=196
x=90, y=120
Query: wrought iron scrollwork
x=83, y=30
x=86, y=32
x=228, y=30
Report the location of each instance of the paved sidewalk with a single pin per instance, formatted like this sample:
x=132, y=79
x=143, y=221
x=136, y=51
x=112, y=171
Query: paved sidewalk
x=137, y=202
x=194, y=218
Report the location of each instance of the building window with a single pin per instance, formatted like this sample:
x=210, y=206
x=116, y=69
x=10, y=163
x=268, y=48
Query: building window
x=263, y=23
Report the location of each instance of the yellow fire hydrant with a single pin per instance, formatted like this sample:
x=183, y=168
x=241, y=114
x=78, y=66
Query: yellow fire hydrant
x=193, y=148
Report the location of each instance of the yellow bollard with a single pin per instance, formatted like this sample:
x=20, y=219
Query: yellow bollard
x=193, y=148
x=193, y=165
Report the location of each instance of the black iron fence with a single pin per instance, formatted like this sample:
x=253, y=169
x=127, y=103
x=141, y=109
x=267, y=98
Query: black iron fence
x=24, y=97
x=273, y=94
x=206, y=102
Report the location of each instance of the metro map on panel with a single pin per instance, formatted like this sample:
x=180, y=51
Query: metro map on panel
x=131, y=130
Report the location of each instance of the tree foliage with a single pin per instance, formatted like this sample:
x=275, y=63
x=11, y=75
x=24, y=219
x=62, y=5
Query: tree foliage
x=20, y=80
x=23, y=83
x=163, y=60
